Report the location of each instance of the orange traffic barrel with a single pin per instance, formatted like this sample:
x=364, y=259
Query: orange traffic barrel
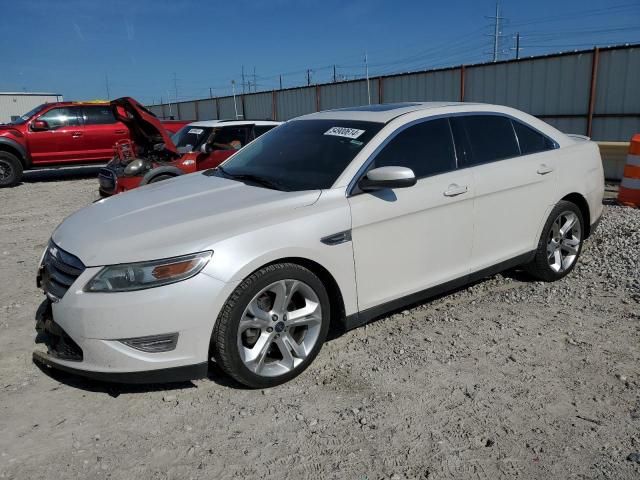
x=629, y=193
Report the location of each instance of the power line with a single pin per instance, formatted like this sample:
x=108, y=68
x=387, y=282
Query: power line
x=497, y=33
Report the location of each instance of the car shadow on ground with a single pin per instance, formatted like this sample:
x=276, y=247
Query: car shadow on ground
x=58, y=174
x=215, y=374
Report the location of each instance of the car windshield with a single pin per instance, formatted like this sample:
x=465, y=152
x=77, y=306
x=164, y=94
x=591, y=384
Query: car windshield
x=23, y=118
x=301, y=154
x=189, y=138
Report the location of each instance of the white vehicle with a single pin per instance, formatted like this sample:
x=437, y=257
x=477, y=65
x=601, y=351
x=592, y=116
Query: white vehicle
x=333, y=218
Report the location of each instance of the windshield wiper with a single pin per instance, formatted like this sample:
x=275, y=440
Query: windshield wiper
x=250, y=177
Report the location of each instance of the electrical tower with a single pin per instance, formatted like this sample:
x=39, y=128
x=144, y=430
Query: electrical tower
x=497, y=33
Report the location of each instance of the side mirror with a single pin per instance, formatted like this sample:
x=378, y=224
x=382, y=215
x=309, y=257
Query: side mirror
x=387, y=177
x=39, y=126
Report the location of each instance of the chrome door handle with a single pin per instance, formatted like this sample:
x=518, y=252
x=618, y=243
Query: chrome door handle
x=453, y=190
x=544, y=169
x=121, y=131
x=76, y=134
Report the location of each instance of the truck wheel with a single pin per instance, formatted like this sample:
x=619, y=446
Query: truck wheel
x=560, y=243
x=272, y=326
x=160, y=178
x=10, y=169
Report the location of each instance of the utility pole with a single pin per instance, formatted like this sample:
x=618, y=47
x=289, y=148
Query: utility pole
x=308, y=77
x=175, y=85
x=334, y=74
x=496, y=32
x=517, y=49
x=106, y=82
x=255, y=84
x=280, y=82
x=233, y=88
x=169, y=100
x=366, y=69
x=242, y=80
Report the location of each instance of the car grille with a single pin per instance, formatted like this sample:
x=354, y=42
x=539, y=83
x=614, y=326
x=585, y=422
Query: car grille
x=58, y=271
x=107, y=179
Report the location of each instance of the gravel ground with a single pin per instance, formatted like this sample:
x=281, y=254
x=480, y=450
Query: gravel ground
x=507, y=378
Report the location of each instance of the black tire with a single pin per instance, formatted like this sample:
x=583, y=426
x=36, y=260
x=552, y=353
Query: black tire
x=160, y=178
x=10, y=169
x=224, y=340
x=540, y=267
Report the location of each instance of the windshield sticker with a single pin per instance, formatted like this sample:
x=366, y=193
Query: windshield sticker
x=344, y=132
x=196, y=131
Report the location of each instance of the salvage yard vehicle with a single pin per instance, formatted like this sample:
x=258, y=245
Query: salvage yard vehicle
x=60, y=134
x=334, y=218
x=197, y=146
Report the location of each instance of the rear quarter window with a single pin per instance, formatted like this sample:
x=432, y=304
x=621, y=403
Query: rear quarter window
x=530, y=140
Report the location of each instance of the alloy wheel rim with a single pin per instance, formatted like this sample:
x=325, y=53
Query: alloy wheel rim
x=564, y=240
x=279, y=328
x=5, y=170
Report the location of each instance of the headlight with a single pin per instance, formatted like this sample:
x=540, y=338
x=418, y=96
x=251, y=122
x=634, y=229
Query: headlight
x=138, y=276
x=134, y=167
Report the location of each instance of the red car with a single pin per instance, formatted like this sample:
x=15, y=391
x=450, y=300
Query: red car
x=197, y=146
x=61, y=134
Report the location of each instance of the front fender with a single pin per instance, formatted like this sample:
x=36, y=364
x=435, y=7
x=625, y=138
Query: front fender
x=23, y=154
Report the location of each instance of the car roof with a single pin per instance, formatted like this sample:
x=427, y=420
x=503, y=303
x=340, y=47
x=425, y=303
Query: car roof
x=233, y=123
x=381, y=113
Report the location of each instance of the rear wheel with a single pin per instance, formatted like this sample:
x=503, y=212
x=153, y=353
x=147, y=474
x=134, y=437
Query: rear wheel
x=272, y=326
x=560, y=243
x=10, y=169
x=160, y=178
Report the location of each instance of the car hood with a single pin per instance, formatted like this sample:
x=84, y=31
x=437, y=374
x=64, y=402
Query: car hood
x=179, y=216
x=145, y=127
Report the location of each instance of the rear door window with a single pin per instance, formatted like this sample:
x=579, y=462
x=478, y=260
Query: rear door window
x=426, y=148
x=99, y=115
x=530, y=140
x=483, y=139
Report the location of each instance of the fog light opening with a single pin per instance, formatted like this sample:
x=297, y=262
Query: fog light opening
x=153, y=343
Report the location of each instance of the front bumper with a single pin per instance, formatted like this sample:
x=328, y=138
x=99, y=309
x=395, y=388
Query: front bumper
x=84, y=332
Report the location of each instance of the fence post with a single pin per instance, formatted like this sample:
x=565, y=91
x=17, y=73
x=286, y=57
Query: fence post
x=217, y=109
x=178, y=111
x=317, y=98
x=462, y=73
x=592, y=92
x=195, y=103
x=380, y=90
x=243, y=109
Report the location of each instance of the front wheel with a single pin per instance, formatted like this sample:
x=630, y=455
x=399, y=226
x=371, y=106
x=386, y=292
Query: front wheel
x=560, y=243
x=272, y=326
x=10, y=169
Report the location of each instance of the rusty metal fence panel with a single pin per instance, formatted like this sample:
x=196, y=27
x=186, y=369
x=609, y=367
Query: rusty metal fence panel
x=348, y=94
x=593, y=92
x=258, y=106
x=295, y=102
x=207, y=109
x=422, y=87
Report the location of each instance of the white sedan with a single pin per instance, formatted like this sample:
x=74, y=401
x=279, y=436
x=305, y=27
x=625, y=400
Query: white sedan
x=333, y=218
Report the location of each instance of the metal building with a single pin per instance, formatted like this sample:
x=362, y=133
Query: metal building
x=14, y=104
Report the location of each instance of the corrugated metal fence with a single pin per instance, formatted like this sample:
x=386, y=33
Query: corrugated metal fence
x=592, y=92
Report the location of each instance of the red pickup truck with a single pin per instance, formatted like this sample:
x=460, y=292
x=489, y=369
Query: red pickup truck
x=61, y=134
